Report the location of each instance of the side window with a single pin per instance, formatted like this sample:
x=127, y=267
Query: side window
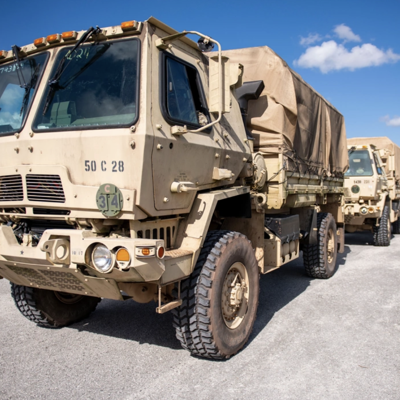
x=183, y=100
x=378, y=169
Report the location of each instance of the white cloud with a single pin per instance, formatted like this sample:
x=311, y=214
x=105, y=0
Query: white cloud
x=310, y=39
x=14, y=119
x=331, y=56
x=395, y=121
x=344, y=32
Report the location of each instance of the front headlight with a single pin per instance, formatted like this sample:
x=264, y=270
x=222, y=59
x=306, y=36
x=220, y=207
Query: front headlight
x=102, y=258
x=363, y=210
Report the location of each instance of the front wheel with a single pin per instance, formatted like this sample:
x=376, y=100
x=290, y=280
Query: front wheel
x=382, y=233
x=52, y=309
x=320, y=259
x=220, y=298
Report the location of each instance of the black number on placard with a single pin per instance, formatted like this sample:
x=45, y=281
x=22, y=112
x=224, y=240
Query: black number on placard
x=114, y=201
x=102, y=201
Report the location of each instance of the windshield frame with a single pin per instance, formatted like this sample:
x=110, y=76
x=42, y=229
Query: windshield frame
x=90, y=127
x=372, y=163
x=35, y=90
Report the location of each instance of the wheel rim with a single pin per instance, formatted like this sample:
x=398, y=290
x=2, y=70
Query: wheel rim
x=235, y=295
x=331, y=246
x=68, y=298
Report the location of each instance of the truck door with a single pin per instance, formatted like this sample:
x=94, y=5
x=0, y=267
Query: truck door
x=188, y=158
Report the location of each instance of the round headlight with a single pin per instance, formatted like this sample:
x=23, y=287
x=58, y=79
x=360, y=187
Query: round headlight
x=355, y=189
x=363, y=210
x=102, y=258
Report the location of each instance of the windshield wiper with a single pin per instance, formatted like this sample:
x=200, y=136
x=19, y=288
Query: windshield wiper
x=30, y=85
x=54, y=82
x=352, y=149
x=21, y=79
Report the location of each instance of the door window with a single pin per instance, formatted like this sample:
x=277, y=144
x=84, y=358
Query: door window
x=183, y=99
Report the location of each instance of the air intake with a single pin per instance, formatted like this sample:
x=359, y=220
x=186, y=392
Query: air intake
x=11, y=188
x=45, y=188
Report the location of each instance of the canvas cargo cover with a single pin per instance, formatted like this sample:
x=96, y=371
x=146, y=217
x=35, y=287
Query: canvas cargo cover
x=381, y=143
x=290, y=117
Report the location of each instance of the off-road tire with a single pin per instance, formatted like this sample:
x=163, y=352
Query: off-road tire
x=320, y=259
x=382, y=233
x=200, y=321
x=396, y=226
x=45, y=308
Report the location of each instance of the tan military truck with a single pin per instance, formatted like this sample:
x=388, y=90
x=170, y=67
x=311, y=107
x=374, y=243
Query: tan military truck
x=127, y=172
x=372, y=188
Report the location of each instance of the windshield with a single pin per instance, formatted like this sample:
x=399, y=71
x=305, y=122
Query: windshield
x=98, y=88
x=360, y=163
x=15, y=100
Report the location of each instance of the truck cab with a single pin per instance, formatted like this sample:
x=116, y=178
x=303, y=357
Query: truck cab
x=369, y=205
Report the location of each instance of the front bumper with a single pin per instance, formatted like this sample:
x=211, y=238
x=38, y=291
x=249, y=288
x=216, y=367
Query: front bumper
x=39, y=266
x=356, y=214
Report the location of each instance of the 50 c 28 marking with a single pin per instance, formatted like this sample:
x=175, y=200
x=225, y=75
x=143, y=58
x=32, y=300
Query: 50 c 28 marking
x=114, y=166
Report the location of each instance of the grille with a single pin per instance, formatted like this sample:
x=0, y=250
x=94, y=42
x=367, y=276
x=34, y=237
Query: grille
x=11, y=188
x=56, y=280
x=50, y=211
x=347, y=219
x=45, y=188
x=165, y=233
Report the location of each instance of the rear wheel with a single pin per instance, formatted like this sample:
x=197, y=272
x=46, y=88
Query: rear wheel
x=220, y=298
x=320, y=259
x=382, y=233
x=52, y=309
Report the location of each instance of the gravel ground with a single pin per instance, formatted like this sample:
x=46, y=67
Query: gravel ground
x=313, y=339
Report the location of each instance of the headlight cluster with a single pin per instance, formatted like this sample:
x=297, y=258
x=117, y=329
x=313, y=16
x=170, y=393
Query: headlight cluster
x=104, y=259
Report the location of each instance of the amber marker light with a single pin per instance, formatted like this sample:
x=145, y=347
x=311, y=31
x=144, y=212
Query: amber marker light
x=3, y=53
x=122, y=255
x=146, y=251
x=40, y=42
x=55, y=38
x=160, y=252
x=70, y=35
x=129, y=25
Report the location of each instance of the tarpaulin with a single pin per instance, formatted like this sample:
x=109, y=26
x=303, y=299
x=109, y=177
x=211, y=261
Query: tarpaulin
x=290, y=117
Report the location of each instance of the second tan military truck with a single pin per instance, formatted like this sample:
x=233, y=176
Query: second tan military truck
x=372, y=197
x=137, y=164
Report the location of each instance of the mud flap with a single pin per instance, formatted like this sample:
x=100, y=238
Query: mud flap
x=340, y=240
x=311, y=238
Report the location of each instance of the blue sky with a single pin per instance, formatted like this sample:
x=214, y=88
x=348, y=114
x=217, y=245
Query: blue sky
x=349, y=51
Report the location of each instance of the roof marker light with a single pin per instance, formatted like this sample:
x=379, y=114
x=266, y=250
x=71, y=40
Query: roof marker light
x=3, y=54
x=70, y=35
x=129, y=25
x=40, y=42
x=55, y=38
